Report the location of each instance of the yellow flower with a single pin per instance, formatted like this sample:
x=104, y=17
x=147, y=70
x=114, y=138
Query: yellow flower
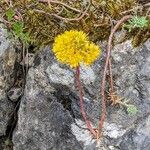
x=73, y=48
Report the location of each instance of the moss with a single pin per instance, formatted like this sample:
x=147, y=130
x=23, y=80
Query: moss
x=140, y=37
x=43, y=26
x=114, y=9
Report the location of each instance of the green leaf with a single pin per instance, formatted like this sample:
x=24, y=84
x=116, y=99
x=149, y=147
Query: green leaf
x=17, y=28
x=25, y=38
x=140, y=22
x=137, y=22
x=10, y=14
x=132, y=110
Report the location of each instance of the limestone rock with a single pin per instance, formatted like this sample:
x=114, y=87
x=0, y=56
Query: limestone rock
x=49, y=116
x=8, y=57
x=15, y=93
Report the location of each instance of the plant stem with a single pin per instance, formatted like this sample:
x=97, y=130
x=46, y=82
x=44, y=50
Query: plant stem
x=111, y=80
x=79, y=86
x=107, y=62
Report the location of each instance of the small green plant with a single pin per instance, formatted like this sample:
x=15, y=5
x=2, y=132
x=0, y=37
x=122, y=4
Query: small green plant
x=10, y=13
x=18, y=32
x=136, y=22
x=131, y=109
x=17, y=27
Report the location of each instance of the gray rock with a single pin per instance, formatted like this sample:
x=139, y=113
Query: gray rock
x=49, y=116
x=8, y=57
x=14, y=93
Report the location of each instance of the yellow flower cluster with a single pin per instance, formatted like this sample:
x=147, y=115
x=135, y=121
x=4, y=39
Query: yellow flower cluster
x=73, y=48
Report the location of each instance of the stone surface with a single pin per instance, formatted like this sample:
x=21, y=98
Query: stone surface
x=49, y=116
x=15, y=93
x=8, y=57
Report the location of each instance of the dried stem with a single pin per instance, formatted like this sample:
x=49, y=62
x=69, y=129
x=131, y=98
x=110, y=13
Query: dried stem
x=107, y=62
x=88, y=123
x=136, y=8
x=63, y=18
x=5, y=22
x=60, y=3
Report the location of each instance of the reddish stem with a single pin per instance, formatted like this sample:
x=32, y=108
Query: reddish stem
x=109, y=46
x=111, y=81
x=111, y=78
x=80, y=88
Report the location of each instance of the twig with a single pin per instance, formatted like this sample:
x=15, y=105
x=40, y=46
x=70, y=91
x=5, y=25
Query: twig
x=101, y=25
x=84, y=13
x=63, y=18
x=88, y=123
x=63, y=4
x=4, y=21
x=138, y=7
x=19, y=15
x=8, y=2
x=109, y=46
x=23, y=55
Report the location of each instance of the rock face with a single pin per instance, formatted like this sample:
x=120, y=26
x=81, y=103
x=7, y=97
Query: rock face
x=49, y=116
x=8, y=57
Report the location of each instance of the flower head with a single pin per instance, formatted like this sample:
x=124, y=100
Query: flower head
x=73, y=48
